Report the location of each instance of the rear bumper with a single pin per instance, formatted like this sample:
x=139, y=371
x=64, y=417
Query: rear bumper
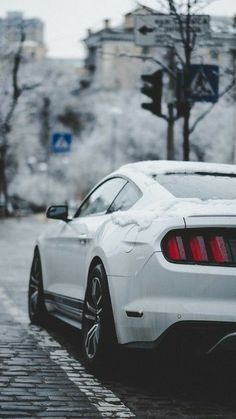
x=198, y=337
x=163, y=295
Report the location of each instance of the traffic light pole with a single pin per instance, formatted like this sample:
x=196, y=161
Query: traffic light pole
x=186, y=132
x=171, y=119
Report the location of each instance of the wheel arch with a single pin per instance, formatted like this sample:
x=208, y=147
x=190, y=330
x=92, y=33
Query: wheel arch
x=36, y=306
x=95, y=261
x=38, y=251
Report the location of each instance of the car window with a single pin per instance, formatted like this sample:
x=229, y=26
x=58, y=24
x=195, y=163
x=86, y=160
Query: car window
x=199, y=185
x=100, y=200
x=126, y=198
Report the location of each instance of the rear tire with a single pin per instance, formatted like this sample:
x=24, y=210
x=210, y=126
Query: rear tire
x=36, y=306
x=98, y=332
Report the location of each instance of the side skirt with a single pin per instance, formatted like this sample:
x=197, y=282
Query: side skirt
x=65, y=308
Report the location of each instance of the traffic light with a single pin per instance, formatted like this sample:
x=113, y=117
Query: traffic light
x=153, y=89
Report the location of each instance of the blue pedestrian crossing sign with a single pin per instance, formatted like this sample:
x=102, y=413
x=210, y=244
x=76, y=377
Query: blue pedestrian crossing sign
x=204, y=81
x=61, y=142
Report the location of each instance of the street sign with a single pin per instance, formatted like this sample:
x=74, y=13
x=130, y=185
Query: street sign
x=204, y=82
x=156, y=29
x=61, y=142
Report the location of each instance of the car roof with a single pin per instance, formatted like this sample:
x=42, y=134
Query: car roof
x=156, y=167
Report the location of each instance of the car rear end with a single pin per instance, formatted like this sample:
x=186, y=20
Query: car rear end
x=190, y=279
x=187, y=288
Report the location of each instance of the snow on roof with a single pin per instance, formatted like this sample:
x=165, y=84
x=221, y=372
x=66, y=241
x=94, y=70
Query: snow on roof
x=172, y=206
x=155, y=167
x=175, y=207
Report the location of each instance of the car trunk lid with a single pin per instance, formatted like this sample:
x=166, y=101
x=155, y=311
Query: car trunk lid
x=214, y=220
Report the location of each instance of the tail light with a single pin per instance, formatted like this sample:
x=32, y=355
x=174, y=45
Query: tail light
x=219, y=249
x=198, y=249
x=197, y=246
x=176, y=249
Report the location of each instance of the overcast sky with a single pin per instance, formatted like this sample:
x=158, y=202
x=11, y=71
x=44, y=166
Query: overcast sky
x=66, y=21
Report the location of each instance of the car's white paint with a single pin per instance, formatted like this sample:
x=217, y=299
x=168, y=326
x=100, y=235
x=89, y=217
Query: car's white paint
x=140, y=278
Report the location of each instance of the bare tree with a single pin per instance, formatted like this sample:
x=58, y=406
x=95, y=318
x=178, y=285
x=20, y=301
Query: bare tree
x=184, y=10
x=182, y=46
x=12, y=90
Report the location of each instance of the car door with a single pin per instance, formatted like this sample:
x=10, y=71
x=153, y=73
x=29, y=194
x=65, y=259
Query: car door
x=76, y=239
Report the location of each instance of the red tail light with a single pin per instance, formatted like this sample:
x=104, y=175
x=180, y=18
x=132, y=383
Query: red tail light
x=219, y=249
x=198, y=249
x=175, y=248
x=201, y=246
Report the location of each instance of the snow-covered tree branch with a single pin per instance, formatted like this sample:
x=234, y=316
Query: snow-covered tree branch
x=12, y=93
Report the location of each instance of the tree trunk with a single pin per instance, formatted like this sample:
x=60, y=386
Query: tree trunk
x=170, y=133
x=187, y=87
x=3, y=181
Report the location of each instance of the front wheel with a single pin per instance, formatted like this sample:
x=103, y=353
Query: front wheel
x=98, y=332
x=36, y=306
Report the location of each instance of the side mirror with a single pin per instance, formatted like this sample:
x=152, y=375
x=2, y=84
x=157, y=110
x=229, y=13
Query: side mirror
x=58, y=212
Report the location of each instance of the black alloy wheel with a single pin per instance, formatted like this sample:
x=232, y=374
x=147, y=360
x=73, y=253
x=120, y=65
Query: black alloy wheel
x=36, y=306
x=98, y=332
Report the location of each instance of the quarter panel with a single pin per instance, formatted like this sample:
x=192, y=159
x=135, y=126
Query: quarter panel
x=127, y=248
x=166, y=293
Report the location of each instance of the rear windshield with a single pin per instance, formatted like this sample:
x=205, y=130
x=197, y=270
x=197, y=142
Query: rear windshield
x=199, y=185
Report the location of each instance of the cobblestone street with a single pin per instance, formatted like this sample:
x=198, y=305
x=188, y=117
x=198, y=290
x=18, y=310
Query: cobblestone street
x=42, y=372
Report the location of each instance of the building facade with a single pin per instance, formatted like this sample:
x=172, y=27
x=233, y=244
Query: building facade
x=110, y=61
x=10, y=32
